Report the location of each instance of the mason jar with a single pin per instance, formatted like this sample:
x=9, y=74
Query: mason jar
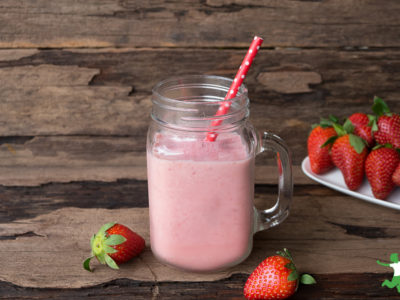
x=201, y=190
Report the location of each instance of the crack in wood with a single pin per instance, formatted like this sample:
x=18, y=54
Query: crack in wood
x=369, y=232
x=155, y=289
x=228, y=8
x=15, y=236
x=20, y=140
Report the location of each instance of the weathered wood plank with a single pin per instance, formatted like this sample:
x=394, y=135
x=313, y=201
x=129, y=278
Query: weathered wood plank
x=210, y=23
x=106, y=92
x=27, y=202
x=329, y=287
x=116, y=101
x=28, y=161
x=345, y=242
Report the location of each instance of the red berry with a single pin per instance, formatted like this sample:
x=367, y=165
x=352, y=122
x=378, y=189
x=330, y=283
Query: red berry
x=379, y=167
x=114, y=244
x=360, y=122
x=350, y=163
x=396, y=176
x=359, y=119
x=275, y=278
x=133, y=245
x=320, y=159
x=269, y=280
x=388, y=130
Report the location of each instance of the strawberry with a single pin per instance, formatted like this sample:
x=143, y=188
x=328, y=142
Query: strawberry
x=275, y=278
x=379, y=167
x=360, y=122
x=359, y=119
x=320, y=159
x=114, y=244
x=348, y=154
x=387, y=126
x=396, y=176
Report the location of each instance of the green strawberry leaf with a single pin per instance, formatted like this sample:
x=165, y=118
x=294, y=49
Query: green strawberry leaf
x=293, y=276
x=348, y=126
x=339, y=129
x=290, y=266
x=109, y=250
x=357, y=143
x=86, y=264
x=115, y=239
x=398, y=150
x=373, y=123
x=377, y=147
x=313, y=126
x=102, y=258
x=111, y=263
x=92, y=240
x=379, y=107
x=333, y=119
x=371, y=118
x=325, y=123
x=288, y=255
x=329, y=141
x=285, y=253
x=105, y=227
x=281, y=253
x=307, y=279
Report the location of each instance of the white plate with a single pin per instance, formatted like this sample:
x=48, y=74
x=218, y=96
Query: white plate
x=334, y=180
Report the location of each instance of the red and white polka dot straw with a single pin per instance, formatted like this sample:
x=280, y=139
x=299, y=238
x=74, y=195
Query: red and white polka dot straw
x=237, y=82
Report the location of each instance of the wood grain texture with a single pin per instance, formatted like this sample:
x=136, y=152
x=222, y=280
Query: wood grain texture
x=82, y=114
x=29, y=161
x=76, y=79
x=329, y=287
x=337, y=241
x=22, y=202
x=107, y=92
x=207, y=23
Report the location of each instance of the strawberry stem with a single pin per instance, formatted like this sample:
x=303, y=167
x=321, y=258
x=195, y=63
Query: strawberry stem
x=86, y=264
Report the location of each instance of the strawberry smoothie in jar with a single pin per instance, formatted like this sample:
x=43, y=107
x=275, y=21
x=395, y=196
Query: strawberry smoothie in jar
x=202, y=216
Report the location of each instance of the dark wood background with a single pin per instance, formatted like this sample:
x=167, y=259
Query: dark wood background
x=75, y=86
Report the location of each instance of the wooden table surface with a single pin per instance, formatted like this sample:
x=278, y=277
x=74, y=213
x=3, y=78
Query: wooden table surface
x=76, y=79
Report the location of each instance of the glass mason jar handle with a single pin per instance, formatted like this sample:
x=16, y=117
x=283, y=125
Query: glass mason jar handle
x=277, y=214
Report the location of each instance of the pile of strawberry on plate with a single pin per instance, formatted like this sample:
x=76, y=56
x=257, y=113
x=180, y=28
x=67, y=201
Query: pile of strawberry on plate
x=363, y=145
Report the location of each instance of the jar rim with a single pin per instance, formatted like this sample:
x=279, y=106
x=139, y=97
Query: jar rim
x=242, y=90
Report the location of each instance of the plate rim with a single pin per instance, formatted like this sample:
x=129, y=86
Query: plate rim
x=306, y=161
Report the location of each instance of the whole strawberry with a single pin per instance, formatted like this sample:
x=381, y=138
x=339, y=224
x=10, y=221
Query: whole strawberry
x=362, y=129
x=379, y=167
x=396, y=176
x=275, y=278
x=114, y=244
x=318, y=152
x=387, y=127
x=348, y=154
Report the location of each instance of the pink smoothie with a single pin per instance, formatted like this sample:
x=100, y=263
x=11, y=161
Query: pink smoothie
x=201, y=202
